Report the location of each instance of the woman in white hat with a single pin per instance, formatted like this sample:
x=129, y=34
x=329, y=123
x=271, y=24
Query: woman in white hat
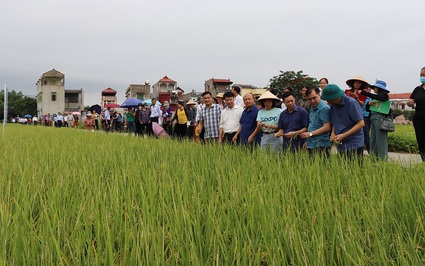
x=378, y=138
x=267, y=122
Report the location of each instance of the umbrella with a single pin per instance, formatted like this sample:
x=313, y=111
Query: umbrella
x=149, y=102
x=27, y=116
x=112, y=105
x=96, y=108
x=131, y=102
x=159, y=131
x=76, y=113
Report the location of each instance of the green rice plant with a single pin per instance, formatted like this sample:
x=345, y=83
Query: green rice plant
x=77, y=197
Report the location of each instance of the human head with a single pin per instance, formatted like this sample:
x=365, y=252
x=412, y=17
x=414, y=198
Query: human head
x=357, y=83
x=268, y=96
x=208, y=99
x=380, y=85
x=313, y=96
x=219, y=97
x=229, y=99
x=153, y=101
x=332, y=93
x=140, y=105
x=289, y=100
x=236, y=91
x=422, y=75
x=166, y=104
x=248, y=100
x=303, y=90
x=180, y=104
x=323, y=82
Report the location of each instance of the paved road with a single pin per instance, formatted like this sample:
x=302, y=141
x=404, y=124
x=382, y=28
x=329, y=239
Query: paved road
x=405, y=159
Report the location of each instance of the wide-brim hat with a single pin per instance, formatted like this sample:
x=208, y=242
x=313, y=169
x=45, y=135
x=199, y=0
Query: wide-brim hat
x=191, y=102
x=268, y=96
x=88, y=113
x=350, y=82
x=219, y=95
x=381, y=85
x=166, y=103
x=332, y=92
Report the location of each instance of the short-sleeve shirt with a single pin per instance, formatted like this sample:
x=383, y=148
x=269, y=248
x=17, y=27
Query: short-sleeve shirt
x=418, y=95
x=293, y=121
x=129, y=117
x=248, y=124
x=211, y=119
x=318, y=117
x=343, y=117
x=269, y=117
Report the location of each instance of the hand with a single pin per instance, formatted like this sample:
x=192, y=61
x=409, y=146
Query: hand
x=411, y=101
x=337, y=138
x=373, y=103
x=305, y=135
x=250, y=139
x=199, y=130
x=290, y=135
x=235, y=138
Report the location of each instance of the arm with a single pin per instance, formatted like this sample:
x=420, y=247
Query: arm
x=381, y=96
x=325, y=128
x=295, y=133
x=220, y=136
x=257, y=129
x=235, y=138
x=411, y=102
x=358, y=126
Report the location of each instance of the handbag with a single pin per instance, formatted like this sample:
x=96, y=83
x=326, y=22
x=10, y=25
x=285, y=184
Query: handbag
x=387, y=125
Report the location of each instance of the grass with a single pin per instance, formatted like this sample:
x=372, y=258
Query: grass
x=403, y=139
x=75, y=197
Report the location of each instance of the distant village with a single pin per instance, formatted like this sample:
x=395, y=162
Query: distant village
x=53, y=98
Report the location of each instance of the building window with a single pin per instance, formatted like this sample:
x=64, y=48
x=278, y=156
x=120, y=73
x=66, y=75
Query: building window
x=53, y=82
x=45, y=82
x=53, y=96
x=141, y=96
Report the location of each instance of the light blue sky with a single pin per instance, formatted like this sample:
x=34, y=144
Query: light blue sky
x=100, y=44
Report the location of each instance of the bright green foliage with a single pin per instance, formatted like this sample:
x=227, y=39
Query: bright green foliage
x=295, y=80
x=74, y=197
x=19, y=104
x=403, y=139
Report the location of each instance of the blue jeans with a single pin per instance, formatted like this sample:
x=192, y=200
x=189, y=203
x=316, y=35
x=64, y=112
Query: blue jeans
x=270, y=142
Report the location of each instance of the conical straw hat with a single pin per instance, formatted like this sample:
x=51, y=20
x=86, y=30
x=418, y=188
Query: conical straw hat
x=268, y=96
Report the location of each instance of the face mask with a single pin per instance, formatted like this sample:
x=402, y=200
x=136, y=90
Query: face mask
x=422, y=80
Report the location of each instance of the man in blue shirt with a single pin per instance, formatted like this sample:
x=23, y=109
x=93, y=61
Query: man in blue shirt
x=292, y=122
x=248, y=123
x=319, y=126
x=347, y=121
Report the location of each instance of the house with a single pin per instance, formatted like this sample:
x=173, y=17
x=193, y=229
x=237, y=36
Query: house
x=245, y=88
x=215, y=86
x=399, y=101
x=166, y=90
x=52, y=97
x=108, y=96
x=138, y=91
x=193, y=95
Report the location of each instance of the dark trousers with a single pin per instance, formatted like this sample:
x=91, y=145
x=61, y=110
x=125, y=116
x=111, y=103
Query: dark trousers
x=419, y=125
x=180, y=130
x=96, y=124
x=191, y=132
x=322, y=151
x=143, y=128
x=228, y=138
x=353, y=154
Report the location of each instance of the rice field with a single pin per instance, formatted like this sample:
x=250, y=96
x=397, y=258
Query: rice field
x=72, y=197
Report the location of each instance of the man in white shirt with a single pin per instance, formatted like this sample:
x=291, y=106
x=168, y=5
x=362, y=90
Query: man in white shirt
x=238, y=98
x=230, y=117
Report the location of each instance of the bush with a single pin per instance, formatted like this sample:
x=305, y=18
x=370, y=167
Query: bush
x=403, y=139
x=408, y=115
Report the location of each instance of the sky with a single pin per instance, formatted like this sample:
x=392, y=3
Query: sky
x=101, y=43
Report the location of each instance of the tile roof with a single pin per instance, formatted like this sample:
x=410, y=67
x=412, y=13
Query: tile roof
x=53, y=74
x=109, y=91
x=404, y=95
x=222, y=81
x=166, y=79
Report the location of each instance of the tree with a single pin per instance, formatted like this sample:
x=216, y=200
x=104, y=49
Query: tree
x=295, y=80
x=19, y=104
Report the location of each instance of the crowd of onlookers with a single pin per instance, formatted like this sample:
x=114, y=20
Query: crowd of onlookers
x=354, y=119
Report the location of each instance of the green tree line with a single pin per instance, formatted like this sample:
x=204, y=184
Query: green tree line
x=18, y=104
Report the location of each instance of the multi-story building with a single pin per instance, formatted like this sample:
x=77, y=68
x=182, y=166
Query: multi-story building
x=52, y=97
x=216, y=86
x=138, y=91
x=166, y=90
x=108, y=96
x=245, y=88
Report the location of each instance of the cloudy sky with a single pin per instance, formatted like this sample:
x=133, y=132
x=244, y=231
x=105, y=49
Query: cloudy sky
x=102, y=43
